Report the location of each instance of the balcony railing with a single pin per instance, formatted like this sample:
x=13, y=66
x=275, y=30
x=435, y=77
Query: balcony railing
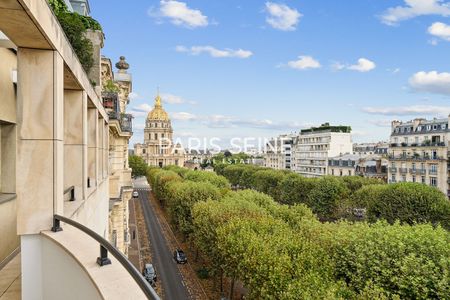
x=403, y=170
x=416, y=157
x=103, y=259
x=427, y=144
x=432, y=172
x=418, y=171
x=393, y=170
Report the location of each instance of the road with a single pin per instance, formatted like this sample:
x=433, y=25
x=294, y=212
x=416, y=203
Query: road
x=166, y=268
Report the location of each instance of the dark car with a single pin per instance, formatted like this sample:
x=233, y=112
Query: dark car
x=149, y=273
x=179, y=256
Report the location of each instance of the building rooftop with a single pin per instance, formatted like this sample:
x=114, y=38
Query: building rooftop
x=326, y=127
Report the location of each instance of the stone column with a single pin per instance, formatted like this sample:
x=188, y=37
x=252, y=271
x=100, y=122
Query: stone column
x=40, y=133
x=74, y=142
x=92, y=117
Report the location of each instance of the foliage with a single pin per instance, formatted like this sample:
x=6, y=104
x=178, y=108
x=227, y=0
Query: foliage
x=181, y=198
x=204, y=176
x=296, y=188
x=74, y=26
x=273, y=261
x=410, y=262
x=268, y=181
x=111, y=87
x=160, y=180
x=233, y=173
x=137, y=165
x=407, y=202
x=325, y=196
x=177, y=169
x=354, y=183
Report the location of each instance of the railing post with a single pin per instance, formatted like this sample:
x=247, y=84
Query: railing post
x=103, y=260
x=56, y=225
x=72, y=194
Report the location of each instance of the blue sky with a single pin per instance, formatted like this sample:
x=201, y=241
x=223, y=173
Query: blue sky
x=261, y=68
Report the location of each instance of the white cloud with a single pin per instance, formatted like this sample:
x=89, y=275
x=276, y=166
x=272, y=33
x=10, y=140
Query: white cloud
x=214, y=52
x=439, y=30
x=183, y=116
x=282, y=17
x=415, y=8
x=134, y=96
x=431, y=82
x=363, y=65
x=174, y=99
x=304, y=62
x=180, y=14
x=381, y=123
x=408, y=110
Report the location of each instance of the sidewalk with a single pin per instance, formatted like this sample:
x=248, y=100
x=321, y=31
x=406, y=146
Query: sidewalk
x=134, y=248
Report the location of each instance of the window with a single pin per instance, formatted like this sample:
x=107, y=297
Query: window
x=423, y=179
x=414, y=166
x=404, y=178
x=416, y=140
x=393, y=178
x=414, y=178
x=143, y=151
x=156, y=136
x=433, y=181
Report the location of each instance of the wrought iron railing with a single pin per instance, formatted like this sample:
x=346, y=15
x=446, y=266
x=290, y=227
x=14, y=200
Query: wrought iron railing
x=103, y=259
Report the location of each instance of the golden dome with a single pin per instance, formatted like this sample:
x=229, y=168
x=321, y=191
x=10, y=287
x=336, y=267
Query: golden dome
x=158, y=113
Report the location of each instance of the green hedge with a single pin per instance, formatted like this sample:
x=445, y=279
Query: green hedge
x=408, y=202
x=205, y=176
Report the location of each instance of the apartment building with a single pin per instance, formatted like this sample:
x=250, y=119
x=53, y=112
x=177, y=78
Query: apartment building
x=419, y=152
x=314, y=146
x=55, y=168
x=357, y=164
x=278, y=154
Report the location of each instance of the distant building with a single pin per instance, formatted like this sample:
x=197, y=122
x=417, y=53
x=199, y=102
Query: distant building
x=158, y=148
x=343, y=165
x=278, y=154
x=419, y=152
x=314, y=146
x=370, y=166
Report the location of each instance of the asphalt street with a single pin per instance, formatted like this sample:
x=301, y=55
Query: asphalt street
x=166, y=268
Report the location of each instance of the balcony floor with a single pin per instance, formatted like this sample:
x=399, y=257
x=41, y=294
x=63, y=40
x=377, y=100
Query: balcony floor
x=10, y=280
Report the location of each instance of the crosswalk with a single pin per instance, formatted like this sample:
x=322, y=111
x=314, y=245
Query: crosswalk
x=142, y=189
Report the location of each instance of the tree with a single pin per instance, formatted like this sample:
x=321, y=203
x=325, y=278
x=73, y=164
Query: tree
x=324, y=198
x=268, y=181
x=410, y=203
x=137, y=165
x=203, y=176
x=181, y=198
x=296, y=188
x=403, y=261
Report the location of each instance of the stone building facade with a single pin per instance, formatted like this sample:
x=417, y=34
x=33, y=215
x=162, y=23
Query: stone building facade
x=314, y=146
x=116, y=87
x=419, y=152
x=158, y=148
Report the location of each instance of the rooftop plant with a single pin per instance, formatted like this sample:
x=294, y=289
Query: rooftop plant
x=75, y=26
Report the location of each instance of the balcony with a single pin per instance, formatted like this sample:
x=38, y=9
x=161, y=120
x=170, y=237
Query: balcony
x=418, y=171
x=403, y=170
x=416, y=157
x=432, y=172
x=393, y=170
x=426, y=144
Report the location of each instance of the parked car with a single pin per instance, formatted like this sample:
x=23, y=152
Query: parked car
x=179, y=256
x=135, y=194
x=149, y=273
